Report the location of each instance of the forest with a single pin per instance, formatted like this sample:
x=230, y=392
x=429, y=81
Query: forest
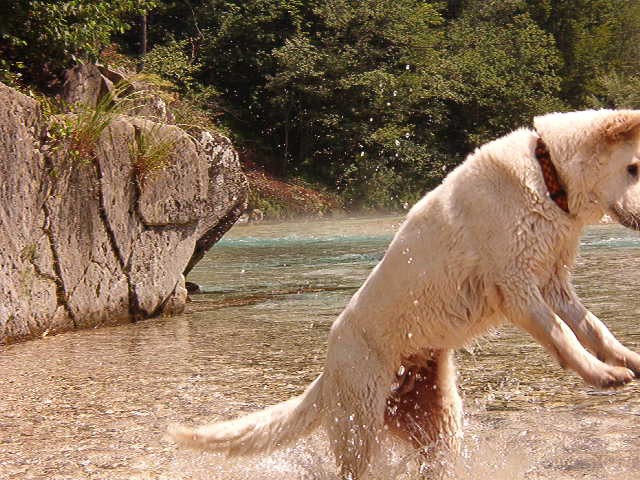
x=376, y=100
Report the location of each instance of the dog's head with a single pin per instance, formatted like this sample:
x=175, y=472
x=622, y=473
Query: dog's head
x=597, y=154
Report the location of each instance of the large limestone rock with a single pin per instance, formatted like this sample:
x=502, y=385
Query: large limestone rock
x=93, y=242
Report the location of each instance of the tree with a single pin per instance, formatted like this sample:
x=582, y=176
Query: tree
x=353, y=97
x=506, y=70
x=596, y=38
x=38, y=38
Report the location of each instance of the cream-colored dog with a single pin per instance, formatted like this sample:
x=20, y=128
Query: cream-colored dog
x=495, y=242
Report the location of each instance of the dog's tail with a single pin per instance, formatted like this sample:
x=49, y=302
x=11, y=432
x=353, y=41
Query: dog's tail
x=265, y=430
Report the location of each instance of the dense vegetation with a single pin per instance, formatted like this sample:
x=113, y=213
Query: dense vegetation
x=376, y=99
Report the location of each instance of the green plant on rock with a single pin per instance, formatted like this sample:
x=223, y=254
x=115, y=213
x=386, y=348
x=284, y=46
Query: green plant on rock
x=77, y=133
x=150, y=152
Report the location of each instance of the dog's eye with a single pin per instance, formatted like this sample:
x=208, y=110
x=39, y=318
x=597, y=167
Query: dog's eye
x=633, y=170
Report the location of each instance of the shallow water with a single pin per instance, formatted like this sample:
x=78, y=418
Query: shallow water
x=95, y=404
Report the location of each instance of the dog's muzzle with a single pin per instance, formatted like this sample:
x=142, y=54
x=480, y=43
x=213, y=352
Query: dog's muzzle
x=625, y=218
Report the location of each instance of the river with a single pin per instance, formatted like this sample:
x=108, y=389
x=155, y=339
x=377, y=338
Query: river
x=94, y=404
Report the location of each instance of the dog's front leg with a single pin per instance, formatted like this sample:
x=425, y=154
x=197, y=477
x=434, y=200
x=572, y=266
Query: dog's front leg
x=528, y=310
x=589, y=329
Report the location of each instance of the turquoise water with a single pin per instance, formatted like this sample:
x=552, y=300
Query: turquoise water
x=94, y=404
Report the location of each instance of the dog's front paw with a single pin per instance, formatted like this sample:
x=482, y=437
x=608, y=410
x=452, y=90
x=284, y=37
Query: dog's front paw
x=632, y=362
x=611, y=377
x=625, y=358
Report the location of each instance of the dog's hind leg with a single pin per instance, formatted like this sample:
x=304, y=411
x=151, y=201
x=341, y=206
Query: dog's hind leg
x=425, y=409
x=354, y=415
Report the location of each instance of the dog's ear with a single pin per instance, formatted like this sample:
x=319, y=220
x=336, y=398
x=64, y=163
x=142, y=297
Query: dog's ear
x=621, y=125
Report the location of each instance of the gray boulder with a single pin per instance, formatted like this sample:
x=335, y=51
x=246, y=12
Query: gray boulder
x=89, y=242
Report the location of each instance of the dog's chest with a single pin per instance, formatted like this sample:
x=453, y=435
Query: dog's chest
x=552, y=256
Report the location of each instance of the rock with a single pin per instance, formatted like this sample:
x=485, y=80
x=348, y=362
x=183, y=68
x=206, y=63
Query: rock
x=178, y=196
x=92, y=280
x=87, y=83
x=176, y=302
x=224, y=169
x=193, y=288
x=89, y=242
x=29, y=288
x=256, y=215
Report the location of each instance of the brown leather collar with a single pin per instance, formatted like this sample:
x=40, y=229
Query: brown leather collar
x=556, y=191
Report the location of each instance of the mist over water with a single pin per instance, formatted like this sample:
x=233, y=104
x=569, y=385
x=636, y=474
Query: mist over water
x=95, y=404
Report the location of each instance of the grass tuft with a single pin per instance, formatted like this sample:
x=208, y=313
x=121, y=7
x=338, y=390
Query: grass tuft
x=150, y=152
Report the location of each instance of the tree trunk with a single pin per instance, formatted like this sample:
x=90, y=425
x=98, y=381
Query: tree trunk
x=285, y=160
x=143, y=37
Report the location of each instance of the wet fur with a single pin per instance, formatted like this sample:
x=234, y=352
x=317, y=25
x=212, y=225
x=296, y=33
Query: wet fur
x=487, y=246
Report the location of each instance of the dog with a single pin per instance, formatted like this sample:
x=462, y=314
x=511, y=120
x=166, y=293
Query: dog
x=495, y=242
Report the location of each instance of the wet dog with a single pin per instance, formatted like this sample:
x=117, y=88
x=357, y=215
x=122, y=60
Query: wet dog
x=495, y=242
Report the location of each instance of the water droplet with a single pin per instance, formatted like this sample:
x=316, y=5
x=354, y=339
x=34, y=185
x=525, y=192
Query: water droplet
x=409, y=335
x=415, y=302
x=401, y=370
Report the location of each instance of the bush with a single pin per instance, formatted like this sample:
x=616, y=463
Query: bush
x=39, y=38
x=172, y=63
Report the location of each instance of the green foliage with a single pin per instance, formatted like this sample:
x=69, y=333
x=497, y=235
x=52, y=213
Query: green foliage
x=76, y=134
x=50, y=34
x=594, y=37
x=377, y=99
x=617, y=90
x=347, y=100
x=172, y=63
x=505, y=70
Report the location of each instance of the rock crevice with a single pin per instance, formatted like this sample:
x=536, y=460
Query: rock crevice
x=61, y=294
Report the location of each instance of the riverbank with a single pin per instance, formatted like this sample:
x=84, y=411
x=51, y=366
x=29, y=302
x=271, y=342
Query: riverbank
x=273, y=198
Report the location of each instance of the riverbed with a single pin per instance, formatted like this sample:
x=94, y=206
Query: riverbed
x=95, y=404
